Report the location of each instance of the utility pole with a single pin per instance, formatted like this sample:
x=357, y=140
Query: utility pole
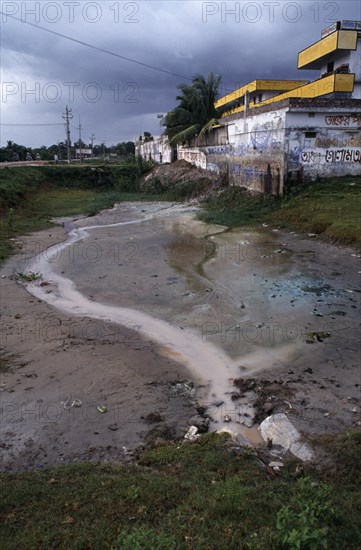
x=68, y=116
x=80, y=150
x=245, y=112
x=92, y=138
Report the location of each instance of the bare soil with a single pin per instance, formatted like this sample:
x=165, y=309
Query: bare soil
x=50, y=361
x=80, y=389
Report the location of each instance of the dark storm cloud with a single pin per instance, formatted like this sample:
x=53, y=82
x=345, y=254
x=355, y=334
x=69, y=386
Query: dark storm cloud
x=118, y=99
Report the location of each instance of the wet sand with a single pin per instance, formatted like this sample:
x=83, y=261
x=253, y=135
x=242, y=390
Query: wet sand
x=168, y=299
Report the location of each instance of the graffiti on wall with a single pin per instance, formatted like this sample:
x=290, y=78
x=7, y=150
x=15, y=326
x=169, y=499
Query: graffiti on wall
x=343, y=120
x=308, y=157
x=342, y=155
x=264, y=136
x=327, y=142
x=194, y=157
x=250, y=172
x=219, y=150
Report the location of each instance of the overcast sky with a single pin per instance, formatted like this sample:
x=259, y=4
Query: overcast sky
x=117, y=99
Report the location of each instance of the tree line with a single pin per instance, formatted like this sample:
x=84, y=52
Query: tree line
x=16, y=152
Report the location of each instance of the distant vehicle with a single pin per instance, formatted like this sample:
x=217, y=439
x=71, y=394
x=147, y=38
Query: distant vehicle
x=28, y=156
x=38, y=157
x=15, y=157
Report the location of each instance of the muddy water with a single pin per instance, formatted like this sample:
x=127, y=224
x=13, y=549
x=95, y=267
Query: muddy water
x=223, y=303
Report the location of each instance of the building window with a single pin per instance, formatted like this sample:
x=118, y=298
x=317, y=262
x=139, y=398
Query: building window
x=311, y=115
x=330, y=66
x=310, y=135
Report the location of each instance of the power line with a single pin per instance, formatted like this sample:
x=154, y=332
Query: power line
x=19, y=50
x=30, y=124
x=153, y=67
x=97, y=48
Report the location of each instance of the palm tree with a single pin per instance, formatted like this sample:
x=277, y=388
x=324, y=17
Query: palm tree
x=196, y=113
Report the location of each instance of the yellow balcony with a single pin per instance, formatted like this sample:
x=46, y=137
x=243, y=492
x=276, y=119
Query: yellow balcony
x=260, y=85
x=318, y=88
x=313, y=56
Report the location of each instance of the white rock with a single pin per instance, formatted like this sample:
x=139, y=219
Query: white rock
x=192, y=434
x=281, y=431
x=276, y=464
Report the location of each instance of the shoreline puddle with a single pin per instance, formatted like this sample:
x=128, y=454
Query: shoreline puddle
x=194, y=315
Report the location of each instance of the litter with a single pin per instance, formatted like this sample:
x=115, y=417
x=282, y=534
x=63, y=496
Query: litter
x=102, y=409
x=69, y=403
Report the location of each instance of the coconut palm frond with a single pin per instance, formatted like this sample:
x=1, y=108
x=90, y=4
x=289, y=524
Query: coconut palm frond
x=185, y=135
x=195, y=114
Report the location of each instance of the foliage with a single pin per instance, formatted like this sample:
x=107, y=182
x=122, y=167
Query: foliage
x=145, y=539
x=126, y=177
x=122, y=149
x=36, y=210
x=196, y=114
x=147, y=136
x=208, y=494
x=27, y=277
x=303, y=524
x=236, y=206
x=329, y=208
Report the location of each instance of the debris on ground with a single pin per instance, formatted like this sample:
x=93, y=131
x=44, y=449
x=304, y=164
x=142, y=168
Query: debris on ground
x=280, y=431
x=69, y=403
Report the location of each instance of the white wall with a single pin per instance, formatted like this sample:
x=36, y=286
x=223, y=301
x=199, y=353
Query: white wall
x=152, y=150
x=331, y=147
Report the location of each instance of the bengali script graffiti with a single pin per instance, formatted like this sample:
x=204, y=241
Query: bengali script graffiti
x=343, y=155
x=343, y=120
x=340, y=155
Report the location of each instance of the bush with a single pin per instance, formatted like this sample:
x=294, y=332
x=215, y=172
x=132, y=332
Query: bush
x=304, y=523
x=126, y=177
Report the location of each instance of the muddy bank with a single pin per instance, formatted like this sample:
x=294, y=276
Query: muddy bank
x=263, y=321
x=50, y=361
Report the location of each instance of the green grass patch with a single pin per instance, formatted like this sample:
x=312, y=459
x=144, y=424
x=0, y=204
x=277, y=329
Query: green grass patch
x=31, y=196
x=235, y=206
x=36, y=211
x=329, y=208
x=181, y=496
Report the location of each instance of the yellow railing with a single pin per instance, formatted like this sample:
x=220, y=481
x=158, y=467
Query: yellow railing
x=318, y=88
x=338, y=40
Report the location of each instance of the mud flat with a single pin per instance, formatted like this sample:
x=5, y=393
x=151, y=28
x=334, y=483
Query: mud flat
x=144, y=317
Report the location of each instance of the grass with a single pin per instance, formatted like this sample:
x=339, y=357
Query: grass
x=31, y=196
x=36, y=212
x=200, y=495
x=329, y=208
x=235, y=207
x=203, y=495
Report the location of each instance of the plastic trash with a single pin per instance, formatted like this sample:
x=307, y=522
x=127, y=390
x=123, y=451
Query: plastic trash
x=69, y=403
